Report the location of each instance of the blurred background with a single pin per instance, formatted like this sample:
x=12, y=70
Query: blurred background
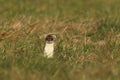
x=87, y=45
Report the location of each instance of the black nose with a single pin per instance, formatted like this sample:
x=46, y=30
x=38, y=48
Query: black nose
x=49, y=38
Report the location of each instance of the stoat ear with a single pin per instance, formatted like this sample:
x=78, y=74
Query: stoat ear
x=54, y=37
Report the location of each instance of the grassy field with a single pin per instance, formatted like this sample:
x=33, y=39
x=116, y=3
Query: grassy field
x=87, y=45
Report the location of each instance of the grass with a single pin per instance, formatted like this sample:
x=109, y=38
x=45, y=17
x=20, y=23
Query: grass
x=87, y=45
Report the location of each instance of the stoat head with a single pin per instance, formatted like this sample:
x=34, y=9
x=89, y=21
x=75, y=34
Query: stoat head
x=50, y=38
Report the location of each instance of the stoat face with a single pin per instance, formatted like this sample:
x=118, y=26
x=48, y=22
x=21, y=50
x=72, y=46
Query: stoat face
x=49, y=39
x=49, y=46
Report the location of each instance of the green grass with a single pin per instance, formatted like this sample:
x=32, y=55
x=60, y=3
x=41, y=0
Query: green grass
x=87, y=45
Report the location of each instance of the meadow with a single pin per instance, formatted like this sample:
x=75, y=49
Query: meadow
x=87, y=45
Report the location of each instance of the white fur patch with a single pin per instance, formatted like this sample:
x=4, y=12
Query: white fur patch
x=49, y=50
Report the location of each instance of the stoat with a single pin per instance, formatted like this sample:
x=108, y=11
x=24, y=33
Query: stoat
x=49, y=46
